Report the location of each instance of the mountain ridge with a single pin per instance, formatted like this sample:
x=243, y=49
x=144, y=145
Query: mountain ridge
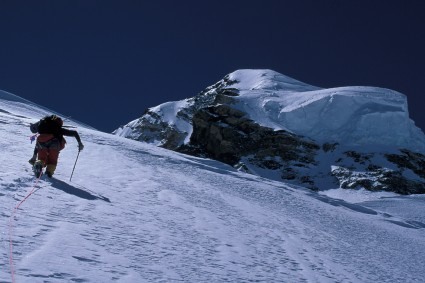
x=174, y=217
x=220, y=121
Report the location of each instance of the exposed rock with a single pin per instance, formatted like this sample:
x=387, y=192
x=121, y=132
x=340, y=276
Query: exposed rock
x=153, y=128
x=226, y=135
x=410, y=160
x=265, y=123
x=329, y=146
x=358, y=157
x=378, y=179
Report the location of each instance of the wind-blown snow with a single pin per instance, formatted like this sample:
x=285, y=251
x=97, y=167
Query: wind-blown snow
x=138, y=213
x=347, y=115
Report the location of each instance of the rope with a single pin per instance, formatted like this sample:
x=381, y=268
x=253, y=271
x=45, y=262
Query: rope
x=12, y=267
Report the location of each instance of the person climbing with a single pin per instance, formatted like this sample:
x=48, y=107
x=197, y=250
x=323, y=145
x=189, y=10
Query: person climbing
x=50, y=142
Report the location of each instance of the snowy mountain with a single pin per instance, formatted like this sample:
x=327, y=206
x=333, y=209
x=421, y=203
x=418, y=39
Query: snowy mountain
x=273, y=126
x=140, y=213
x=346, y=115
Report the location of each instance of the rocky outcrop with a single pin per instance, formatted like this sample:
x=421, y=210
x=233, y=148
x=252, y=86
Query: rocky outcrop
x=264, y=123
x=409, y=160
x=171, y=132
x=377, y=179
x=227, y=135
x=150, y=128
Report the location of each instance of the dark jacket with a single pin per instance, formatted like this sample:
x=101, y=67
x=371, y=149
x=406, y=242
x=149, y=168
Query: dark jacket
x=70, y=133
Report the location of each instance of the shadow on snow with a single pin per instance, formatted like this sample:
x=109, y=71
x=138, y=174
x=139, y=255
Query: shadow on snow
x=79, y=192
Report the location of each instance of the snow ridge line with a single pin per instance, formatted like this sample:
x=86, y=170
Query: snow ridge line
x=12, y=267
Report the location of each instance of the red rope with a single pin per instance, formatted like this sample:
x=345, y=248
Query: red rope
x=12, y=267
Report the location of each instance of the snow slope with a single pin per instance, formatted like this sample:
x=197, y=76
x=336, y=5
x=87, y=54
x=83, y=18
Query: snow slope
x=138, y=213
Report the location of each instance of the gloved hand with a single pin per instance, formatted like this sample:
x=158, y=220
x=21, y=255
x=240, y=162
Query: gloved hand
x=32, y=160
x=80, y=146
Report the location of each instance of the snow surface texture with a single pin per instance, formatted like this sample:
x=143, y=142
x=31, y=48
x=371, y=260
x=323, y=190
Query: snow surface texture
x=353, y=115
x=139, y=213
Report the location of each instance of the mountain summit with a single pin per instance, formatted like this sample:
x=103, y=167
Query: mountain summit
x=272, y=125
x=347, y=115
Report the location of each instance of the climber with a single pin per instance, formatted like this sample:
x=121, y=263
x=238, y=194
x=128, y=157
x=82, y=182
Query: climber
x=49, y=142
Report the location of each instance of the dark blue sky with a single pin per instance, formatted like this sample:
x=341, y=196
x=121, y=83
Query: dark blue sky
x=105, y=62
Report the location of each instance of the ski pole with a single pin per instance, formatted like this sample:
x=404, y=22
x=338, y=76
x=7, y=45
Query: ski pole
x=74, y=165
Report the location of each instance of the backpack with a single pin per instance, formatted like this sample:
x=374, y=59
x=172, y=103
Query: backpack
x=48, y=125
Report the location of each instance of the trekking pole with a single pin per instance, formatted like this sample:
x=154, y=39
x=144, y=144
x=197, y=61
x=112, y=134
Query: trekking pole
x=74, y=165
